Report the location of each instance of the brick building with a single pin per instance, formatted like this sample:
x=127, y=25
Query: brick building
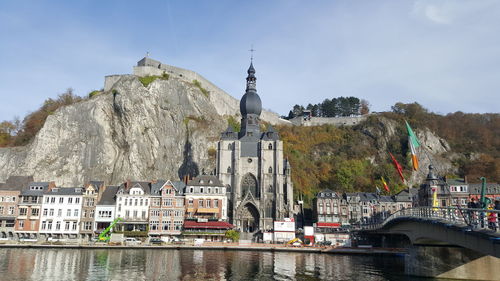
x=166, y=212
x=9, y=197
x=29, y=209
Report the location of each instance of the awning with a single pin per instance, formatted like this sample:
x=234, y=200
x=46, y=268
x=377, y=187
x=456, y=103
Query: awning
x=207, y=225
x=328, y=224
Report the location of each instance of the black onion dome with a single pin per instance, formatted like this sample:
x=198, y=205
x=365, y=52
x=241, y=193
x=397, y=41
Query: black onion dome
x=250, y=103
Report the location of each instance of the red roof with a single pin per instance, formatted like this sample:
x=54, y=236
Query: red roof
x=328, y=224
x=208, y=225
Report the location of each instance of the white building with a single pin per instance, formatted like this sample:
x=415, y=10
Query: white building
x=132, y=205
x=105, y=209
x=61, y=210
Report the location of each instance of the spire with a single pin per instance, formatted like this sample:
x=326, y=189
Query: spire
x=250, y=103
x=251, y=79
x=250, y=107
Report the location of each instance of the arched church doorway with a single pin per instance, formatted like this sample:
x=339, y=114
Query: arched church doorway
x=249, y=218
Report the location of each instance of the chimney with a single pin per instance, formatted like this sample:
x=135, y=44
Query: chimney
x=465, y=178
x=52, y=184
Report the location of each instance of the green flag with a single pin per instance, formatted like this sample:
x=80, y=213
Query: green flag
x=411, y=135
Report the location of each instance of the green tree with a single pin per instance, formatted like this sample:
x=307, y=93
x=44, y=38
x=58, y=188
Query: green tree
x=233, y=235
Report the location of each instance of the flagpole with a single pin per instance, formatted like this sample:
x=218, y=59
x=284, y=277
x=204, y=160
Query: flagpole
x=424, y=149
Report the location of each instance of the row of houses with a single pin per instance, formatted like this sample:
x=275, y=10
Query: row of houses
x=163, y=208
x=335, y=210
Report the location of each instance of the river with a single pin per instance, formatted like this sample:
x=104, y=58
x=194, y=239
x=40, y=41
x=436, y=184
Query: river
x=169, y=264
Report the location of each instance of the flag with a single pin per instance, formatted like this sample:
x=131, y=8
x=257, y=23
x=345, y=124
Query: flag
x=411, y=135
x=413, y=141
x=398, y=167
x=385, y=184
x=435, y=202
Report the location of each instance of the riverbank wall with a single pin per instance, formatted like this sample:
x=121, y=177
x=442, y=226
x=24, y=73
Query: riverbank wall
x=259, y=247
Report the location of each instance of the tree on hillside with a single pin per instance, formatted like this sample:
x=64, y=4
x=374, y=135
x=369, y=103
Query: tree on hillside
x=297, y=110
x=364, y=107
x=35, y=120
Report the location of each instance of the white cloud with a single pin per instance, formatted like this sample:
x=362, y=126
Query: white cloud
x=450, y=11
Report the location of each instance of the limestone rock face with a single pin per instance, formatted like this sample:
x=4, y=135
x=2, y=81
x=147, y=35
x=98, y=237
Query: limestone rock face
x=164, y=130
x=433, y=149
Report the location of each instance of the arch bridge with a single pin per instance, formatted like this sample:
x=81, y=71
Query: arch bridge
x=475, y=229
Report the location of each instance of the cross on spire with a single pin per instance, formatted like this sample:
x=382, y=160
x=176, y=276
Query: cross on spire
x=251, y=52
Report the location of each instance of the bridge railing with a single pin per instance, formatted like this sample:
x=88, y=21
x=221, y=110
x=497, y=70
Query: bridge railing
x=475, y=219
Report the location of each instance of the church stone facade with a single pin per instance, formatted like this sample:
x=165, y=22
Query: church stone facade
x=251, y=164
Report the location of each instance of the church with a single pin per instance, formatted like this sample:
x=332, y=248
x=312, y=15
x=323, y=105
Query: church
x=251, y=164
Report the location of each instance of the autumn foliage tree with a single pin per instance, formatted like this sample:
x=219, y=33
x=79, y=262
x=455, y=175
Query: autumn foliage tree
x=16, y=133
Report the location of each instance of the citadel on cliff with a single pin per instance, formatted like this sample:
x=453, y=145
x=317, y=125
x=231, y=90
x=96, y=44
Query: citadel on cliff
x=250, y=190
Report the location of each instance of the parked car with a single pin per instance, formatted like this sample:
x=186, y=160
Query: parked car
x=132, y=241
x=324, y=243
x=155, y=241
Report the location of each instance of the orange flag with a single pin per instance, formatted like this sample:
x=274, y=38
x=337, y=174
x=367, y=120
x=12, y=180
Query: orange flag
x=386, y=187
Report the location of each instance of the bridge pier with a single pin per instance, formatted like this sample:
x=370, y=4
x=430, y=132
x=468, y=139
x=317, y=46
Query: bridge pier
x=451, y=262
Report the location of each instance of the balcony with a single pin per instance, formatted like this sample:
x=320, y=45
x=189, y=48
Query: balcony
x=203, y=210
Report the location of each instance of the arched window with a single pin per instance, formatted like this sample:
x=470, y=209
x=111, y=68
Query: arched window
x=249, y=185
x=270, y=170
x=229, y=169
x=269, y=209
x=229, y=147
x=270, y=146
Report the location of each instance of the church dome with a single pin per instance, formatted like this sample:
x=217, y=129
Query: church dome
x=250, y=103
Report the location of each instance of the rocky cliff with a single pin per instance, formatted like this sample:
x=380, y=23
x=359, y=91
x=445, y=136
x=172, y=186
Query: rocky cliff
x=129, y=132
x=169, y=129
x=387, y=135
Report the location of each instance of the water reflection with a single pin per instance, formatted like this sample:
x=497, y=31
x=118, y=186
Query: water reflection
x=155, y=264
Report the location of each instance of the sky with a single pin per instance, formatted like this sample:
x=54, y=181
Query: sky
x=443, y=54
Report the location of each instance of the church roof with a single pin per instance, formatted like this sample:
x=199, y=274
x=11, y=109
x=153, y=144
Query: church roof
x=270, y=134
x=229, y=134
